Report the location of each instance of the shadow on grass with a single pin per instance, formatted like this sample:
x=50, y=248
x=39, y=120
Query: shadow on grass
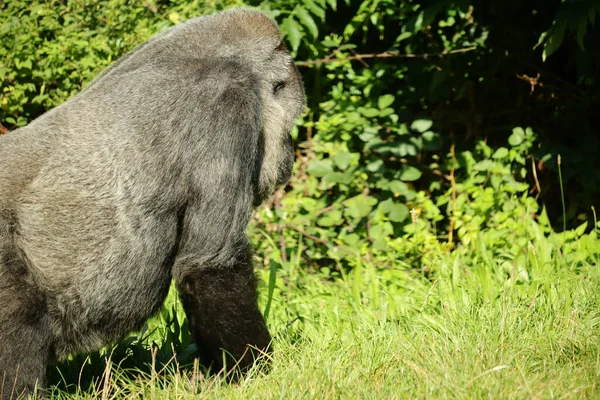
x=135, y=360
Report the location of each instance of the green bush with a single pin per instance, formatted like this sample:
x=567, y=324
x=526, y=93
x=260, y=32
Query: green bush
x=50, y=49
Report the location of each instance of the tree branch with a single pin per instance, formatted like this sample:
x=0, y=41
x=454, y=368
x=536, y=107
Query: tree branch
x=387, y=54
x=319, y=240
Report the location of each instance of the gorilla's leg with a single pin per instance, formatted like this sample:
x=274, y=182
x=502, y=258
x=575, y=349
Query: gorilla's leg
x=24, y=336
x=222, y=310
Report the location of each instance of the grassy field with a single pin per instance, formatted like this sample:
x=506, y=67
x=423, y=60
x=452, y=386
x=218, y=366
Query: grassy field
x=470, y=328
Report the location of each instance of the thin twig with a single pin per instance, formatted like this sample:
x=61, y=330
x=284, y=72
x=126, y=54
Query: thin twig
x=3, y=129
x=324, y=210
x=386, y=54
x=535, y=177
x=336, y=51
x=441, y=174
x=533, y=82
x=359, y=58
x=319, y=240
x=151, y=7
x=573, y=86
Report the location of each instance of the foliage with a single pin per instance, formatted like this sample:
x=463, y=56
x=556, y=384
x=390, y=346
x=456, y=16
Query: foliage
x=574, y=17
x=418, y=235
x=50, y=49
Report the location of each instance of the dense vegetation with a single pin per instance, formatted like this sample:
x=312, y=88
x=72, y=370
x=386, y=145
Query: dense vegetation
x=438, y=238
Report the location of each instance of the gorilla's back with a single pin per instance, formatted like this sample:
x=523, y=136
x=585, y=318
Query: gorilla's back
x=22, y=155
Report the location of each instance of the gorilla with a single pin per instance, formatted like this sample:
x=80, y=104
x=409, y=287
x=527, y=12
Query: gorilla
x=149, y=174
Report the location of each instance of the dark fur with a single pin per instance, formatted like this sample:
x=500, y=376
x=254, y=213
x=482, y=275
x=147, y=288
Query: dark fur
x=149, y=174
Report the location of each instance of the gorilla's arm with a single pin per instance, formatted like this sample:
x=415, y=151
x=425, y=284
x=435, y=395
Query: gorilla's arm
x=220, y=302
x=213, y=270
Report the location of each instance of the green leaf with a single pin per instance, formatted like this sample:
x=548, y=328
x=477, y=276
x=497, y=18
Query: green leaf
x=484, y=165
x=359, y=206
x=398, y=212
x=307, y=203
x=26, y=64
x=331, y=218
x=307, y=21
x=381, y=230
x=375, y=165
x=380, y=244
x=554, y=39
x=541, y=40
x=315, y=9
x=333, y=178
x=502, y=152
x=368, y=112
x=385, y=112
x=409, y=174
x=402, y=150
x=421, y=125
x=368, y=134
x=329, y=43
x=415, y=23
x=319, y=168
x=512, y=186
x=517, y=137
x=385, y=101
x=352, y=239
x=402, y=36
x=581, y=229
x=342, y=160
x=431, y=141
x=292, y=31
x=398, y=187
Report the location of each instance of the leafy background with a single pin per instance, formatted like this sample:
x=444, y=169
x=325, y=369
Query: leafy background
x=432, y=128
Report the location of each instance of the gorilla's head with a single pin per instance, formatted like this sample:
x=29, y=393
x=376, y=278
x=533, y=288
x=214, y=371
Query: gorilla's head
x=256, y=39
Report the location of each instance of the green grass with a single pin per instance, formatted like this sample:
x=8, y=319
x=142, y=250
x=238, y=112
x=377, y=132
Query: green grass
x=471, y=329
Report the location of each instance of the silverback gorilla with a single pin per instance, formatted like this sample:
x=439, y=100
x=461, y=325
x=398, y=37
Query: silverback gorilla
x=149, y=174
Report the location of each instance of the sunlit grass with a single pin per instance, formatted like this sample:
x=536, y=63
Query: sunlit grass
x=471, y=329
